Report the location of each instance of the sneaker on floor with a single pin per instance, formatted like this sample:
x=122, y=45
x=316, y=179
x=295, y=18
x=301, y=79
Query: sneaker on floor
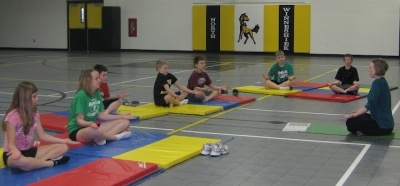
x=224, y=149
x=206, y=150
x=128, y=102
x=215, y=150
x=184, y=102
x=100, y=142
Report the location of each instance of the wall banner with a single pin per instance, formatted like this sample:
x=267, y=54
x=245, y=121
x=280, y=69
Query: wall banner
x=251, y=27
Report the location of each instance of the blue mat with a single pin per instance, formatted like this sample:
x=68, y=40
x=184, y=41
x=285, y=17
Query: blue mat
x=16, y=177
x=113, y=148
x=304, y=88
x=225, y=104
x=62, y=113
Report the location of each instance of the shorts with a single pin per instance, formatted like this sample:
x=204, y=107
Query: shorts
x=27, y=153
x=193, y=98
x=108, y=102
x=161, y=102
x=73, y=134
x=276, y=82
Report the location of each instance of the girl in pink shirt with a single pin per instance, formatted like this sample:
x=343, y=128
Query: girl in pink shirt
x=21, y=121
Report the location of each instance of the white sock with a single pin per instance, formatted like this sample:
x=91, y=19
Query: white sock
x=122, y=135
x=183, y=102
x=284, y=88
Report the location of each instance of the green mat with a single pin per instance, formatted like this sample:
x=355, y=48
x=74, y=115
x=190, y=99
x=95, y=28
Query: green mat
x=341, y=130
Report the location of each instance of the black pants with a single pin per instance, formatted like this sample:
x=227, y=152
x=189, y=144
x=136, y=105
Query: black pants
x=365, y=124
x=108, y=102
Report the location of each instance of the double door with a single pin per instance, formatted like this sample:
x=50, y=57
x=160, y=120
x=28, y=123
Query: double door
x=85, y=26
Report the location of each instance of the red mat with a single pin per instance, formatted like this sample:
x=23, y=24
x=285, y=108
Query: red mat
x=343, y=98
x=242, y=100
x=54, y=122
x=105, y=171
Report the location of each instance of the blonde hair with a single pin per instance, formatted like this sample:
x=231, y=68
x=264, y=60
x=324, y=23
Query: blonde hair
x=22, y=103
x=160, y=63
x=85, y=81
x=279, y=53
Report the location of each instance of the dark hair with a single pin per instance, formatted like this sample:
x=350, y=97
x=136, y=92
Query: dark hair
x=380, y=66
x=100, y=68
x=197, y=59
x=348, y=55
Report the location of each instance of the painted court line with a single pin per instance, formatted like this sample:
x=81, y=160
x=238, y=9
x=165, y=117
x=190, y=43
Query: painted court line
x=294, y=112
x=396, y=107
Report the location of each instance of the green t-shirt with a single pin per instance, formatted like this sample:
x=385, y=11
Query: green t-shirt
x=90, y=107
x=281, y=74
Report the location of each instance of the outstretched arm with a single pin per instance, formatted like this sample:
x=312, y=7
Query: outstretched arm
x=360, y=111
x=183, y=88
x=215, y=87
x=49, y=138
x=121, y=94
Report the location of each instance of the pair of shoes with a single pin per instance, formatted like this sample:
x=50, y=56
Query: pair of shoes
x=100, y=142
x=216, y=149
x=224, y=92
x=127, y=102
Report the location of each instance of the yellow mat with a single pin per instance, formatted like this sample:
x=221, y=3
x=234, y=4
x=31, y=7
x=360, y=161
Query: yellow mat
x=263, y=90
x=187, y=109
x=142, y=112
x=168, y=152
x=1, y=158
x=361, y=90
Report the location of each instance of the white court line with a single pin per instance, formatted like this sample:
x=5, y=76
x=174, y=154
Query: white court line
x=353, y=166
x=122, y=82
x=253, y=136
x=38, y=95
x=396, y=107
x=315, y=113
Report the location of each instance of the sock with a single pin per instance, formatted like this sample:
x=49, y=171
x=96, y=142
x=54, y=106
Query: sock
x=204, y=100
x=122, y=135
x=183, y=102
x=284, y=88
x=60, y=161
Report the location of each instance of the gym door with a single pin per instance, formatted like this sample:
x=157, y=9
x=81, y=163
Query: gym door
x=84, y=26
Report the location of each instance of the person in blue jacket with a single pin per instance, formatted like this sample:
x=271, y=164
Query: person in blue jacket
x=380, y=120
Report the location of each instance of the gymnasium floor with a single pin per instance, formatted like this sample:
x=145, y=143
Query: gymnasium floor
x=260, y=152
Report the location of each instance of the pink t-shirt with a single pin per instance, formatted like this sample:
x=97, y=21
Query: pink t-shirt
x=22, y=141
